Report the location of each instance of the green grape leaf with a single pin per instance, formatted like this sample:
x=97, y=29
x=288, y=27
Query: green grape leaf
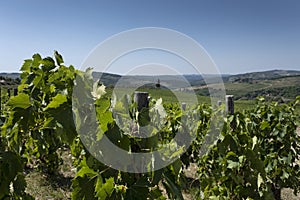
x=104, y=190
x=259, y=180
x=83, y=184
x=99, y=183
x=232, y=164
x=64, y=116
x=105, y=119
x=26, y=66
x=143, y=117
x=86, y=171
x=83, y=188
x=19, y=184
x=19, y=101
x=36, y=61
x=139, y=190
x=10, y=166
x=49, y=123
x=57, y=101
x=264, y=125
x=38, y=78
x=157, y=194
x=48, y=64
x=171, y=186
x=58, y=58
x=285, y=175
x=176, y=168
x=156, y=177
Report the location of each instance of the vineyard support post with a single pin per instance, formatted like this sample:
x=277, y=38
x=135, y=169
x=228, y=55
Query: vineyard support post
x=230, y=109
x=229, y=104
x=141, y=99
x=15, y=91
x=183, y=106
x=8, y=92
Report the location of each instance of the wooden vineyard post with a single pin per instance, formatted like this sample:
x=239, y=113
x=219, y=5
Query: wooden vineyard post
x=141, y=99
x=183, y=106
x=8, y=92
x=229, y=104
x=15, y=91
x=230, y=109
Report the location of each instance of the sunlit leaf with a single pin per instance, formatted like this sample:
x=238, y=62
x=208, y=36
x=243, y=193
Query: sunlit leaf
x=58, y=100
x=259, y=180
x=20, y=101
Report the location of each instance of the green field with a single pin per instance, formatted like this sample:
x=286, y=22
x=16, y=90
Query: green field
x=172, y=97
x=169, y=96
x=278, y=89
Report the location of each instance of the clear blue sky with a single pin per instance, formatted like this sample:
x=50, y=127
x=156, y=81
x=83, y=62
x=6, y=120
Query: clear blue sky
x=240, y=35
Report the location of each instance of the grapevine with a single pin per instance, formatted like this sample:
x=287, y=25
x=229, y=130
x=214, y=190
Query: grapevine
x=254, y=159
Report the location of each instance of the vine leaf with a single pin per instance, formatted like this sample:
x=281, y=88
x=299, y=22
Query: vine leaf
x=83, y=184
x=58, y=100
x=20, y=101
x=104, y=190
x=10, y=166
x=58, y=58
x=259, y=180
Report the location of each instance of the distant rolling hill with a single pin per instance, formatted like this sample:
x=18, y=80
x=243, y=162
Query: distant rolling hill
x=279, y=85
x=106, y=78
x=169, y=81
x=283, y=84
x=264, y=75
x=9, y=80
x=10, y=75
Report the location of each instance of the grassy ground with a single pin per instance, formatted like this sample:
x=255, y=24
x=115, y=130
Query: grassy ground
x=52, y=187
x=43, y=187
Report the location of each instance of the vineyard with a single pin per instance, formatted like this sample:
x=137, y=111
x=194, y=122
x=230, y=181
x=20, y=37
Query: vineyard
x=255, y=155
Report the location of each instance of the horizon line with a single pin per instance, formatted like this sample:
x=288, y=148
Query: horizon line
x=238, y=73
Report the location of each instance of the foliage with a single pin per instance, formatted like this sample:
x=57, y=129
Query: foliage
x=11, y=176
x=37, y=126
x=257, y=156
x=253, y=155
x=105, y=182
